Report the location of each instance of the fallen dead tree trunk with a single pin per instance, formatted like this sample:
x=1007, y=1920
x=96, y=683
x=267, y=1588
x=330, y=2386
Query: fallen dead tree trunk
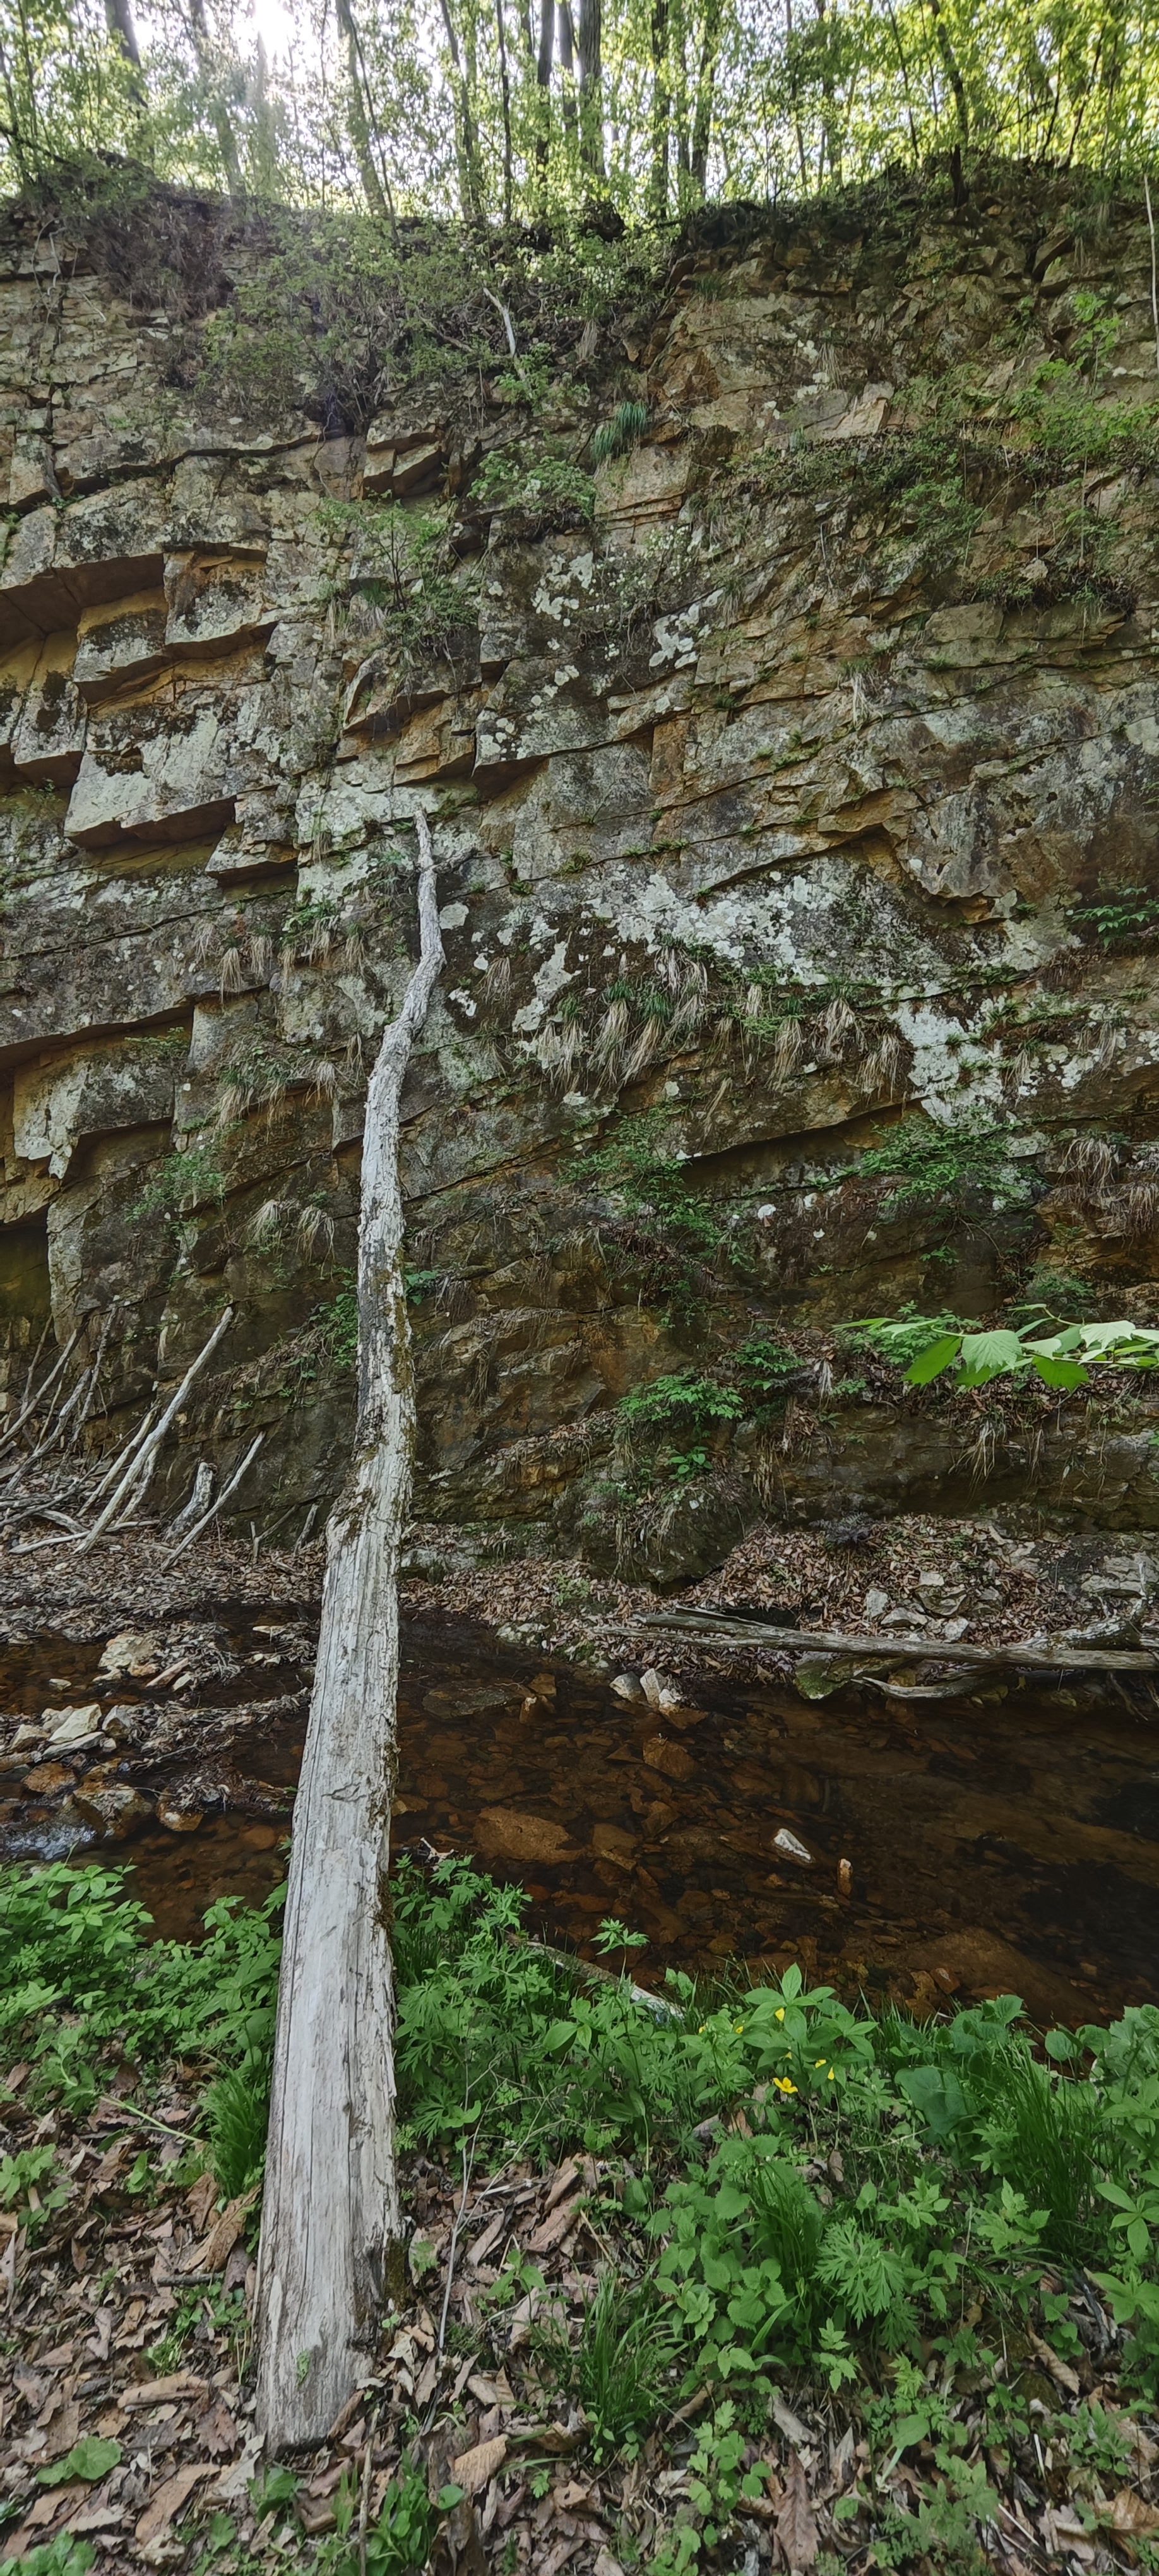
x=330, y=2225
x=1032, y=1656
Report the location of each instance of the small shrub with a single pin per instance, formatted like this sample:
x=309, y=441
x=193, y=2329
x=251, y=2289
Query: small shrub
x=682, y=1398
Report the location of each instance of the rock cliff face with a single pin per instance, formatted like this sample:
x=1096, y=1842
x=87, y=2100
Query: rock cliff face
x=795, y=789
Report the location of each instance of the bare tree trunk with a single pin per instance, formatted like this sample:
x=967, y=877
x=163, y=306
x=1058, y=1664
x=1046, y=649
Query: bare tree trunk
x=661, y=113
x=543, y=99
x=330, y=2222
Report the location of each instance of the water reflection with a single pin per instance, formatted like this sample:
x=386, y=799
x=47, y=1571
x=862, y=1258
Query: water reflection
x=1009, y=1841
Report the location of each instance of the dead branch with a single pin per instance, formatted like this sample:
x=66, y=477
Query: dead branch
x=1031, y=1654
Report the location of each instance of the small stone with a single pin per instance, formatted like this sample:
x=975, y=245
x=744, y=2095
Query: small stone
x=27, y=1733
x=661, y=1754
x=257, y=1837
x=133, y=1650
x=71, y=1725
x=121, y=1723
x=116, y=1811
x=931, y=1581
x=627, y=1686
x=179, y=1820
x=654, y=1685
x=784, y=1841
x=48, y=1776
x=875, y=1602
x=611, y=1842
x=506, y=1833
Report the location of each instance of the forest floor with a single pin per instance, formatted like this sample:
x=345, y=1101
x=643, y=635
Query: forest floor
x=127, y=2271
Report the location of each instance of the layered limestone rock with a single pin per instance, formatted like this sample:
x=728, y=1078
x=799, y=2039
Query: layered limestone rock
x=776, y=799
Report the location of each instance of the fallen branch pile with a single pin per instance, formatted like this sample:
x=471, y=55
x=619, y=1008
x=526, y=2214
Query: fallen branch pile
x=86, y=1496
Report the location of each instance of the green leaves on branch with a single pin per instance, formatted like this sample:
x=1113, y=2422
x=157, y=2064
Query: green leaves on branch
x=976, y=1359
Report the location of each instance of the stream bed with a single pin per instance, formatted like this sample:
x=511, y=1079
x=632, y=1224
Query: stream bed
x=1006, y=1841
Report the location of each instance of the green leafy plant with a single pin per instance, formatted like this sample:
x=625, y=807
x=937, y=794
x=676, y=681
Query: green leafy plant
x=237, y=2111
x=945, y=1167
x=181, y=1184
x=31, y=2184
x=548, y=491
x=971, y=1359
x=63, y=2556
x=621, y=2369
x=338, y=1323
x=683, y=1397
x=1127, y=918
x=400, y=2539
x=90, y=2459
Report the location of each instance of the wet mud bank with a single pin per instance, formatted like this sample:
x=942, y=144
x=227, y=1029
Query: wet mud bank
x=1004, y=1841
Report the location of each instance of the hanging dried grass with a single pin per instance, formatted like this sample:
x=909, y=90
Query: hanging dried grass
x=315, y=1227
x=788, y=1047
x=260, y=958
x=841, y=1030
x=268, y=1223
x=559, y=1050
x=880, y=1069
x=231, y=978
x=496, y=984
x=1092, y=1161
x=644, y=1048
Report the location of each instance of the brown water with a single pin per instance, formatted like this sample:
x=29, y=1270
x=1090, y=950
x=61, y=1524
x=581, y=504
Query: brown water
x=1008, y=1841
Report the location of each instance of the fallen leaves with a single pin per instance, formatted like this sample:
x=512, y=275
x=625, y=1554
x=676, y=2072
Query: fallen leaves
x=168, y=2502
x=473, y=2469
x=796, y=2520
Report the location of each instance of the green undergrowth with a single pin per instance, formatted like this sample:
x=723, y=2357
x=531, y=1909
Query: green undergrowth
x=788, y=2190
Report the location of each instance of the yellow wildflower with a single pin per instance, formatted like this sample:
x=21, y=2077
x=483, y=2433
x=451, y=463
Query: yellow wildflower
x=780, y=2014
x=783, y=2084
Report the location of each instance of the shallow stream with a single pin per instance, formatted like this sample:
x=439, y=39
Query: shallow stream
x=1008, y=1841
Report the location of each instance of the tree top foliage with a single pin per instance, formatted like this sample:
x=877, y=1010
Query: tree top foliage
x=529, y=113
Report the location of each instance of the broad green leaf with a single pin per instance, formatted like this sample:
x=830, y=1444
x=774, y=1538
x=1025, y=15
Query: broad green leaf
x=1060, y=1372
x=930, y=1364
x=993, y=1351
x=91, y=2459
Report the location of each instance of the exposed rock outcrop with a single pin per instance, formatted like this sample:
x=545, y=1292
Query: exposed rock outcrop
x=803, y=778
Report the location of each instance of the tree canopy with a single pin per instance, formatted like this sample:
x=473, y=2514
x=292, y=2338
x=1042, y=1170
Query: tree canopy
x=520, y=110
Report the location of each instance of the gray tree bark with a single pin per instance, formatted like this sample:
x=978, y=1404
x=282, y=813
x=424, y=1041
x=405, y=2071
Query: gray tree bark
x=330, y=2220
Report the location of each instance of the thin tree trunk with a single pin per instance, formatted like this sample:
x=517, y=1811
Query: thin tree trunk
x=953, y=74
x=567, y=66
x=120, y=24
x=591, y=75
x=209, y=67
x=505, y=94
x=330, y=2222
x=705, y=92
x=356, y=108
x=466, y=139
x=543, y=101
x=661, y=112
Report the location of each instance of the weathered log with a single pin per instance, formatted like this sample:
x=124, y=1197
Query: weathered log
x=330, y=2224
x=1023, y=1653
